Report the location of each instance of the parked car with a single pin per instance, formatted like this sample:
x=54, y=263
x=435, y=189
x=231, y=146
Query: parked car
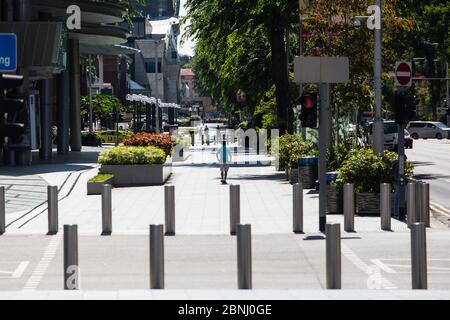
x=390, y=134
x=110, y=136
x=428, y=130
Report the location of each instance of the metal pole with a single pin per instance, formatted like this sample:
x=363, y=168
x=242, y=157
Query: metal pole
x=349, y=207
x=324, y=132
x=91, y=108
x=52, y=194
x=333, y=256
x=169, y=202
x=298, y=208
x=419, y=256
x=156, y=257
x=244, y=256
x=411, y=203
x=425, y=195
x=385, y=206
x=235, y=208
x=71, y=269
x=378, y=125
x=106, y=210
x=2, y=211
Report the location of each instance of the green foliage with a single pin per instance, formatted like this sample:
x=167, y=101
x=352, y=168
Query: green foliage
x=90, y=139
x=101, y=178
x=132, y=156
x=291, y=148
x=367, y=171
x=103, y=105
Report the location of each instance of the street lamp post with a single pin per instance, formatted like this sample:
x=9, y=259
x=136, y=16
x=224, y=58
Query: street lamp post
x=378, y=125
x=378, y=122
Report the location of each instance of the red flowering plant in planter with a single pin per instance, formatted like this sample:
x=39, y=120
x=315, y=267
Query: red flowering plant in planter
x=161, y=141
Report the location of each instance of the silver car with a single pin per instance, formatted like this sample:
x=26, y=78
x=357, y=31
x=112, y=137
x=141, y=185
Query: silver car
x=428, y=130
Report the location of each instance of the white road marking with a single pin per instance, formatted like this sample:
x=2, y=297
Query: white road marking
x=440, y=209
x=390, y=267
x=382, y=266
x=39, y=272
x=351, y=255
x=16, y=274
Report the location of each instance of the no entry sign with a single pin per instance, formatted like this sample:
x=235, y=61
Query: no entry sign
x=403, y=74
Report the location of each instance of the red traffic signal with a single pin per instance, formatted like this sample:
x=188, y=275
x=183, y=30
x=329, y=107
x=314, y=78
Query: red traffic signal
x=309, y=110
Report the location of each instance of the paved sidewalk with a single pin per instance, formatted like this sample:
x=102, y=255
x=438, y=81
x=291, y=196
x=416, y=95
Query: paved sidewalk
x=202, y=202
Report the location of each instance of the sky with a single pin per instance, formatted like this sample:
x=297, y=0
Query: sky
x=188, y=46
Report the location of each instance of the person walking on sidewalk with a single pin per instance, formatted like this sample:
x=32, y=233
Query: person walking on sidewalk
x=223, y=155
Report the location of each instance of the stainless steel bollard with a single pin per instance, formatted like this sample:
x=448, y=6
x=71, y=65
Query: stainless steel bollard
x=169, y=204
x=333, y=255
x=425, y=204
x=71, y=268
x=244, y=257
x=298, y=208
x=419, y=256
x=156, y=257
x=107, y=210
x=2, y=211
x=235, y=208
x=52, y=195
x=386, y=206
x=349, y=207
x=411, y=205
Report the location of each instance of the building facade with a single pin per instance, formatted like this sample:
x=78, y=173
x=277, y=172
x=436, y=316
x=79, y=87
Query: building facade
x=157, y=66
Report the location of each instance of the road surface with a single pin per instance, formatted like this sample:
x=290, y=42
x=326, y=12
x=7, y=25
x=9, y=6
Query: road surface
x=431, y=159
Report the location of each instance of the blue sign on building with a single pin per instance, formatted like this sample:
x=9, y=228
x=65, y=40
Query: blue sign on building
x=8, y=52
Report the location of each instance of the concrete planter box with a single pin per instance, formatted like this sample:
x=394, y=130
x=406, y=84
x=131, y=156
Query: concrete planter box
x=95, y=188
x=139, y=175
x=334, y=202
x=368, y=203
x=181, y=156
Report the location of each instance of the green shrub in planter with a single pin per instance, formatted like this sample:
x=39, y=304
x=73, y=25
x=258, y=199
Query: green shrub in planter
x=101, y=178
x=90, y=139
x=292, y=147
x=367, y=171
x=132, y=156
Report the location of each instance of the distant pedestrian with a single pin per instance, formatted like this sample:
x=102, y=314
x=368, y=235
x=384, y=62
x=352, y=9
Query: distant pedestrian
x=207, y=135
x=223, y=155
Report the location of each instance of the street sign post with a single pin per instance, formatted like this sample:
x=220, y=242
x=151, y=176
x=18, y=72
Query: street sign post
x=403, y=74
x=8, y=52
x=403, y=79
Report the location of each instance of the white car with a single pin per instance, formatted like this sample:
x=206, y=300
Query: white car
x=428, y=130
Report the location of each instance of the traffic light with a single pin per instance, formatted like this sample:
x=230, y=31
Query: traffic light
x=309, y=113
x=10, y=106
x=405, y=108
x=399, y=108
x=410, y=108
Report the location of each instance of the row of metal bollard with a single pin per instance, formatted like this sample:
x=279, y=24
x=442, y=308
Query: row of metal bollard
x=106, y=200
x=243, y=232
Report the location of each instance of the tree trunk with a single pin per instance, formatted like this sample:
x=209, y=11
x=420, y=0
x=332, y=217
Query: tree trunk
x=279, y=70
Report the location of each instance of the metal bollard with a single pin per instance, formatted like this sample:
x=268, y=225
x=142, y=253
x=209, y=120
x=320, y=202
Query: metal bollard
x=71, y=268
x=244, y=256
x=298, y=208
x=386, y=206
x=425, y=204
x=411, y=204
x=52, y=195
x=2, y=211
x=156, y=257
x=106, y=210
x=333, y=255
x=419, y=256
x=235, y=208
x=169, y=204
x=349, y=207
